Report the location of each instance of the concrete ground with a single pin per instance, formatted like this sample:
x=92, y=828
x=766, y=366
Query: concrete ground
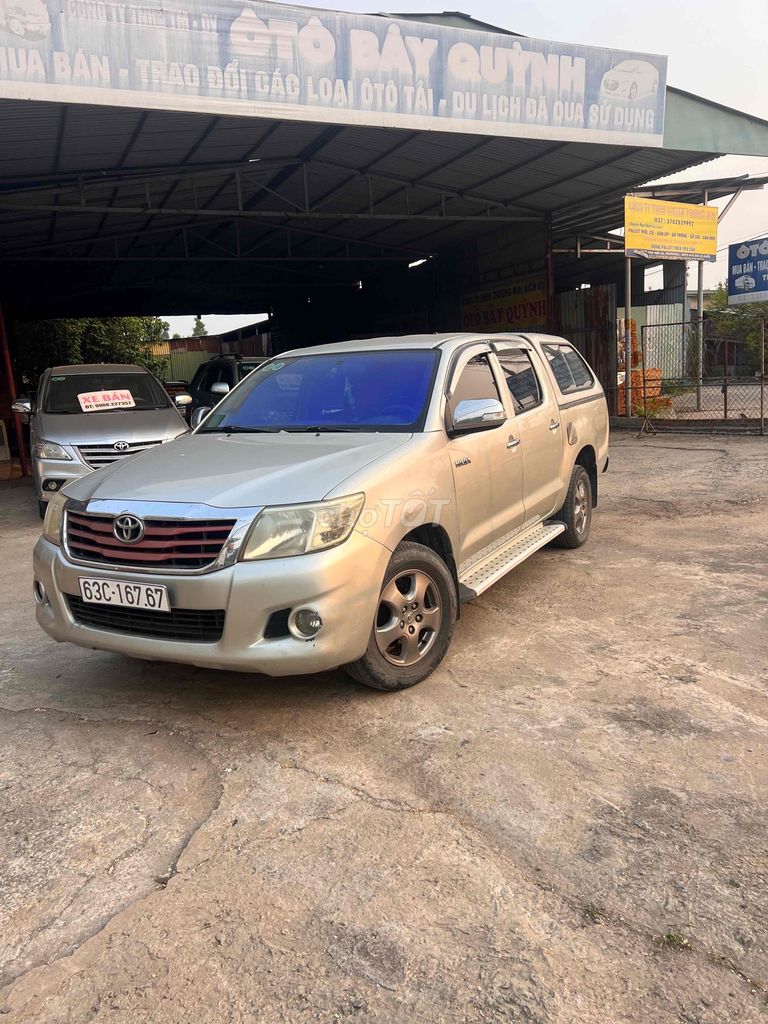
x=568, y=823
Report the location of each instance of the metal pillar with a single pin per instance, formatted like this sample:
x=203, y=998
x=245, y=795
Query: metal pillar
x=762, y=378
x=700, y=331
x=20, y=442
x=550, y=283
x=628, y=338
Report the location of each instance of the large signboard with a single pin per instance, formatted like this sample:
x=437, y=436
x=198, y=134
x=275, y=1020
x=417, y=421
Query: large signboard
x=519, y=305
x=671, y=231
x=279, y=61
x=748, y=272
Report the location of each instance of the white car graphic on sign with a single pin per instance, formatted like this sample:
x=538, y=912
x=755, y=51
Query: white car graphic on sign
x=745, y=283
x=630, y=79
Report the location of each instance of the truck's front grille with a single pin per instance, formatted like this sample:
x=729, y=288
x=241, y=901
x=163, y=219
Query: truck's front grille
x=166, y=543
x=190, y=625
x=98, y=455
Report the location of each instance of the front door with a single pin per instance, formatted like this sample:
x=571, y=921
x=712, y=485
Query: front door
x=538, y=421
x=487, y=465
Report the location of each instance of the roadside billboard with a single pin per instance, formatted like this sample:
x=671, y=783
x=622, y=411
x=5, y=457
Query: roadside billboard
x=655, y=229
x=518, y=305
x=273, y=60
x=748, y=272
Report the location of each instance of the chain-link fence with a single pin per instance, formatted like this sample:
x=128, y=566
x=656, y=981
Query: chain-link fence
x=686, y=371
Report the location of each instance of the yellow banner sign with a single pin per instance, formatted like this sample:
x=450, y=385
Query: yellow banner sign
x=519, y=305
x=672, y=231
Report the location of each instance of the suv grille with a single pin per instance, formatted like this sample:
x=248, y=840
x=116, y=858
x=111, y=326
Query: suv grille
x=187, y=624
x=97, y=455
x=166, y=544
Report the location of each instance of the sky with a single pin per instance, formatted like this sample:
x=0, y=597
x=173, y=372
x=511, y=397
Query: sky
x=715, y=51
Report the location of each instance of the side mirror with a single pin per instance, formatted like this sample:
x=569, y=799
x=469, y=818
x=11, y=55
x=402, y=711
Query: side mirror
x=477, y=414
x=198, y=415
x=182, y=400
x=22, y=407
x=220, y=388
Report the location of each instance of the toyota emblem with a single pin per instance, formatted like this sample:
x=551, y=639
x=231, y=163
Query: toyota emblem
x=128, y=528
x=121, y=446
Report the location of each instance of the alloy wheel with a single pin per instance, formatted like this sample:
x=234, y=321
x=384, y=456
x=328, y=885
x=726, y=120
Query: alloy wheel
x=409, y=618
x=580, y=507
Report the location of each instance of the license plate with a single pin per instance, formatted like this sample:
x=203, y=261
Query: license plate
x=126, y=595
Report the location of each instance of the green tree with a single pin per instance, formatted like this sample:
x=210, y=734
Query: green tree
x=199, y=330
x=741, y=323
x=126, y=339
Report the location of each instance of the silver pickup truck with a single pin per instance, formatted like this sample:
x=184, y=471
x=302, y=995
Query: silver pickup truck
x=335, y=509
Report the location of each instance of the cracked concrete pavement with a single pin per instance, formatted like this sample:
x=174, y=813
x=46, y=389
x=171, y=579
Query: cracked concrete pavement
x=566, y=824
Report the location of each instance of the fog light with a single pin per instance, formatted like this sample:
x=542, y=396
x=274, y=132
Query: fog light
x=51, y=485
x=39, y=591
x=305, y=623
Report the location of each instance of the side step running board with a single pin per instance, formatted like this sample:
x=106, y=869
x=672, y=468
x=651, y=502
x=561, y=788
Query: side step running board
x=483, y=574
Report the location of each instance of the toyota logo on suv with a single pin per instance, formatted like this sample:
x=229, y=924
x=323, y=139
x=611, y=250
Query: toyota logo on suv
x=121, y=446
x=128, y=529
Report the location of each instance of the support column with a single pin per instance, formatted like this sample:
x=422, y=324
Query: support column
x=762, y=378
x=700, y=329
x=550, y=279
x=6, y=357
x=628, y=337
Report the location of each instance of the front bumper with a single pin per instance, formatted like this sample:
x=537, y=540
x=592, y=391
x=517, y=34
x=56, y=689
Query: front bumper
x=343, y=584
x=56, y=469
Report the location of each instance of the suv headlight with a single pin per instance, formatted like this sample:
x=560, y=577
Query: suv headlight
x=51, y=450
x=54, y=514
x=300, y=529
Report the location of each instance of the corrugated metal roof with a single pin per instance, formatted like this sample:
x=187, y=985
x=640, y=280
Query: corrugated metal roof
x=99, y=199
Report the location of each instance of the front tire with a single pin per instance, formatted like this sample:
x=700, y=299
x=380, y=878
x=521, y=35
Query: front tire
x=41, y=507
x=414, y=623
x=576, y=513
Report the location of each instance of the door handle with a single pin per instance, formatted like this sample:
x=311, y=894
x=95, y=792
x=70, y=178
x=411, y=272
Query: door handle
x=513, y=442
x=554, y=425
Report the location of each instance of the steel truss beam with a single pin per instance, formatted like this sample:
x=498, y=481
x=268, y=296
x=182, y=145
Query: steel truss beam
x=234, y=214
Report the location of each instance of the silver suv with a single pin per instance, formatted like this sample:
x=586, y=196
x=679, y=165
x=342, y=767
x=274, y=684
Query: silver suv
x=92, y=415
x=334, y=509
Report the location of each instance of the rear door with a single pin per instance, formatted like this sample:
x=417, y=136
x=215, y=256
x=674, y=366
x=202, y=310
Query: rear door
x=537, y=419
x=487, y=467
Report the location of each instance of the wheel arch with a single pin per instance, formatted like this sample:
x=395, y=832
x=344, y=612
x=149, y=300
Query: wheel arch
x=435, y=537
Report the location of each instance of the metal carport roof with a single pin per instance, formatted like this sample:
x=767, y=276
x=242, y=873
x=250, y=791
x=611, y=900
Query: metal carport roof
x=110, y=210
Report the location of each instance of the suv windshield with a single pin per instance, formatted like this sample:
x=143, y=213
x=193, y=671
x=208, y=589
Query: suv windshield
x=386, y=391
x=65, y=392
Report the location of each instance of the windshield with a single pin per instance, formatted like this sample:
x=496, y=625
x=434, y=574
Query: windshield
x=371, y=391
x=246, y=368
x=73, y=393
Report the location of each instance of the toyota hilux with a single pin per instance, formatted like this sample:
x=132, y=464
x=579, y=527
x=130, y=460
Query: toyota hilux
x=335, y=509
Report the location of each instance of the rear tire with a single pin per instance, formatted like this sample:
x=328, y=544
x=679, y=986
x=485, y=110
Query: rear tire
x=415, y=619
x=576, y=513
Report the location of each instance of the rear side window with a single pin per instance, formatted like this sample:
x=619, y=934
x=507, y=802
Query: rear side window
x=521, y=379
x=570, y=371
x=475, y=382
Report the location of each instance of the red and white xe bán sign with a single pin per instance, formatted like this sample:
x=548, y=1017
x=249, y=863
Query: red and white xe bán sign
x=94, y=401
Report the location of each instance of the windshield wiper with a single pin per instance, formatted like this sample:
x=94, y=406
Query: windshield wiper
x=323, y=430
x=239, y=430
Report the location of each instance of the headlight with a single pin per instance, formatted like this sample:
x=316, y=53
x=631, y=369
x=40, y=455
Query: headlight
x=299, y=529
x=53, y=516
x=51, y=450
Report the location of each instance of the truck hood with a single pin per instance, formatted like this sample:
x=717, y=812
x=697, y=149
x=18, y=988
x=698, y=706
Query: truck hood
x=238, y=471
x=133, y=425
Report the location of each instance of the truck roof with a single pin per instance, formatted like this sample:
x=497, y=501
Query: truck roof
x=411, y=341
